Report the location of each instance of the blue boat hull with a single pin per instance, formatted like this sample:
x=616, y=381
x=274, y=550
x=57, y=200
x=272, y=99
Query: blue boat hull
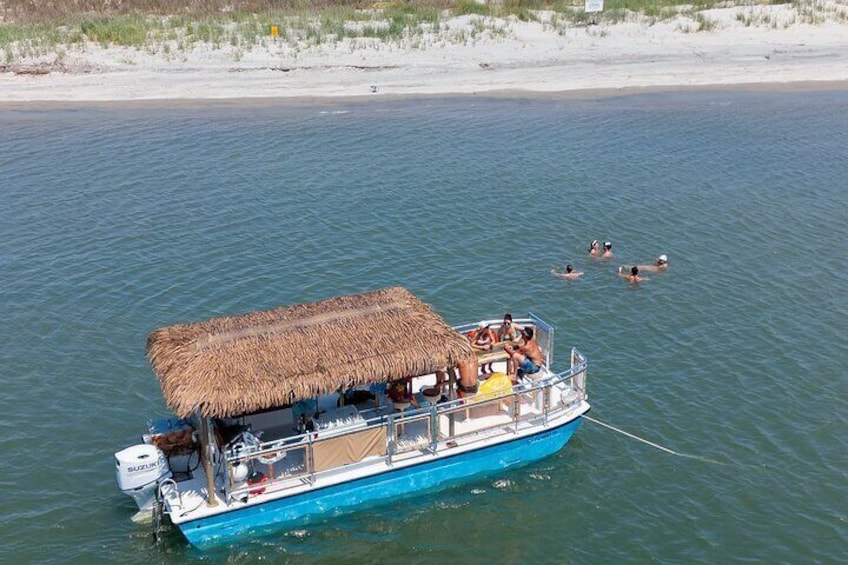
x=336, y=499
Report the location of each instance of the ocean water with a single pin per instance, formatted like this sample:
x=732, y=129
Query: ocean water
x=118, y=220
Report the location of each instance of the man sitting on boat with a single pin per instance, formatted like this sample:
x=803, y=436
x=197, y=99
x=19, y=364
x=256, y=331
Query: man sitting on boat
x=527, y=357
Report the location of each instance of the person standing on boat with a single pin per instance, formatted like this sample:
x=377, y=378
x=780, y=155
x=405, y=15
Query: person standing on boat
x=570, y=274
x=527, y=357
x=633, y=277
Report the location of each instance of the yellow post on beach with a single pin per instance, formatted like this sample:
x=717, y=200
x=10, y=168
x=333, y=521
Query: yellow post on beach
x=275, y=31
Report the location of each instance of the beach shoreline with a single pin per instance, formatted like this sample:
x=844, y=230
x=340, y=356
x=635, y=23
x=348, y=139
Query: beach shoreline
x=304, y=101
x=531, y=60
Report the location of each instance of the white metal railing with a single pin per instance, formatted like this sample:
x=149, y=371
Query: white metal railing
x=571, y=385
x=544, y=337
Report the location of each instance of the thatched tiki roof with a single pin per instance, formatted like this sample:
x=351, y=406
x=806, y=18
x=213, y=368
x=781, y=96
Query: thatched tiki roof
x=241, y=364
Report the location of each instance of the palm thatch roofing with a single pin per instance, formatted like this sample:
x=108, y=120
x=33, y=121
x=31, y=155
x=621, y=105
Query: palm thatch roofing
x=236, y=365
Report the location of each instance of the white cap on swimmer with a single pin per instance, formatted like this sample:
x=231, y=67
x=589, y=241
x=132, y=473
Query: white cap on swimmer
x=663, y=258
x=608, y=245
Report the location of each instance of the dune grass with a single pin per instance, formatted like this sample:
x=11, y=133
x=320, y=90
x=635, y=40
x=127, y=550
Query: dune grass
x=30, y=29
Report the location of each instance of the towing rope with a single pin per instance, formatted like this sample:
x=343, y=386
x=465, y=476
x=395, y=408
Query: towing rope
x=652, y=444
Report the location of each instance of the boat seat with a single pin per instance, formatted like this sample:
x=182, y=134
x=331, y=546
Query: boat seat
x=537, y=396
x=534, y=376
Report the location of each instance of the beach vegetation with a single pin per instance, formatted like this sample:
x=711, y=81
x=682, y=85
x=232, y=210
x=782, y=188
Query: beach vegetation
x=695, y=22
x=616, y=15
x=745, y=17
x=580, y=18
x=524, y=10
x=704, y=23
x=469, y=7
x=559, y=24
x=478, y=27
x=40, y=29
x=808, y=13
x=123, y=31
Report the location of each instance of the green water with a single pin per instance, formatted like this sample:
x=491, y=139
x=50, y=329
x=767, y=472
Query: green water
x=116, y=222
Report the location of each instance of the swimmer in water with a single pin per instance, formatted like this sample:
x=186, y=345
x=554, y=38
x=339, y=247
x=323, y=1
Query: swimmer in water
x=594, y=248
x=570, y=274
x=633, y=277
x=658, y=266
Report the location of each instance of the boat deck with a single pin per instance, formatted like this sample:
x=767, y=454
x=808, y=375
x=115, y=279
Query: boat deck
x=417, y=434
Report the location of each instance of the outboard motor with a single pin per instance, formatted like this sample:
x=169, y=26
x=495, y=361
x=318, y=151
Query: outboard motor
x=139, y=470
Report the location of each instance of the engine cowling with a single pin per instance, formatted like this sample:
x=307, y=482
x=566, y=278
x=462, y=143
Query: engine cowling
x=138, y=470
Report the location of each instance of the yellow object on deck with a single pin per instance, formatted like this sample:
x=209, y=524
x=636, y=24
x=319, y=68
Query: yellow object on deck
x=496, y=385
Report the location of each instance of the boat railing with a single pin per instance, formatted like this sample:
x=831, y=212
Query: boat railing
x=497, y=322
x=577, y=373
x=544, y=332
x=291, y=462
x=412, y=432
x=452, y=423
x=272, y=454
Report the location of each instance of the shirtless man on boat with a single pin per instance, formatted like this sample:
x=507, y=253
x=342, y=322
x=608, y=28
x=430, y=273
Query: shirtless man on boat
x=527, y=357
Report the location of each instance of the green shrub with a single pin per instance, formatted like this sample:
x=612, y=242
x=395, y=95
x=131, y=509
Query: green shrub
x=125, y=31
x=468, y=7
x=704, y=23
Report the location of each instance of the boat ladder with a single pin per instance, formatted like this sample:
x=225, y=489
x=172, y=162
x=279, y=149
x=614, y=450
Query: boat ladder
x=168, y=489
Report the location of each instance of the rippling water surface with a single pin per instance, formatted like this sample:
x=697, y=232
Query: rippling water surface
x=118, y=221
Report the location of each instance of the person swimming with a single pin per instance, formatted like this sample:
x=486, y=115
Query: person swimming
x=607, y=250
x=633, y=277
x=570, y=274
x=659, y=265
x=594, y=248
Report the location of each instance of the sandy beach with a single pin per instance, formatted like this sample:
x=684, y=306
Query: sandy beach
x=751, y=46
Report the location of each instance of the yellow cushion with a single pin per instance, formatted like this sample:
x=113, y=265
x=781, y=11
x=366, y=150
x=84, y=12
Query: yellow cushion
x=496, y=385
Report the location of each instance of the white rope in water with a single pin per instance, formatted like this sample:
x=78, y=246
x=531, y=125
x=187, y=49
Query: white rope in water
x=652, y=444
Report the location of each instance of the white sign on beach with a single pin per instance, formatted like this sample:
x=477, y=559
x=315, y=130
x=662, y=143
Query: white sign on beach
x=594, y=6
